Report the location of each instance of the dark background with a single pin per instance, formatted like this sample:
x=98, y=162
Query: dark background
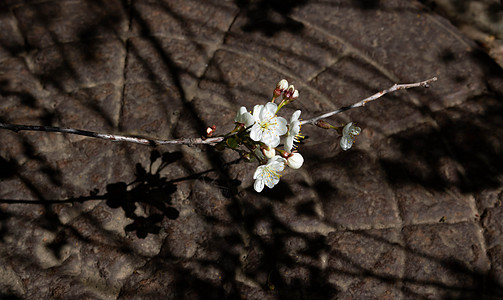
x=413, y=210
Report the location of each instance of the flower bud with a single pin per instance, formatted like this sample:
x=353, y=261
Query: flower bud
x=280, y=88
x=269, y=152
x=246, y=157
x=282, y=85
x=323, y=124
x=295, y=160
x=295, y=95
x=210, y=130
x=289, y=92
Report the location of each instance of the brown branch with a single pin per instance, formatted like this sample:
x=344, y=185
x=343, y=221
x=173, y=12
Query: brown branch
x=114, y=137
x=199, y=141
x=362, y=103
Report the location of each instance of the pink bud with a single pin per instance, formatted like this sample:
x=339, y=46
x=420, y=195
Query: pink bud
x=280, y=88
x=282, y=85
x=289, y=92
x=210, y=130
x=295, y=95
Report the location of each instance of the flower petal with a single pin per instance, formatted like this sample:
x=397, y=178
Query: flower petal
x=258, y=186
x=271, y=108
x=256, y=132
x=244, y=117
x=289, y=143
x=272, y=140
x=277, y=163
x=295, y=116
x=346, y=143
x=258, y=172
x=294, y=128
x=347, y=129
x=281, y=124
x=256, y=112
x=271, y=181
x=248, y=119
x=239, y=113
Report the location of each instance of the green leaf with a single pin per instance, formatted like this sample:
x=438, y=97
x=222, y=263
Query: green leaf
x=232, y=143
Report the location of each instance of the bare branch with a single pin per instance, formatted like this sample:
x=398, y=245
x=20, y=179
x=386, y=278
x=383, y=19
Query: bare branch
x=362, y=103
x=199, y=141
x=114, y=137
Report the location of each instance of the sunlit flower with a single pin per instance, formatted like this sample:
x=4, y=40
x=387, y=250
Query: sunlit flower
x=349, y=132
x=293, y=134
x=244, y=117
x=268, y=174
x=268, y=127
x=295, y=160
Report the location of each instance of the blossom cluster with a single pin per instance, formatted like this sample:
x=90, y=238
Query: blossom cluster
x=268, y=129
x=262, y=132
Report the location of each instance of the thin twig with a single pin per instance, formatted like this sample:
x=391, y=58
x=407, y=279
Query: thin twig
x=114, y=137
x=362, y=103
x=199, y=141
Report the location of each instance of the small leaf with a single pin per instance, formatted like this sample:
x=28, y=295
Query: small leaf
x=232, y=143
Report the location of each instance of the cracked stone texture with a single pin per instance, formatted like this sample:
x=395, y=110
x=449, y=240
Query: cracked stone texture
x=412, y=211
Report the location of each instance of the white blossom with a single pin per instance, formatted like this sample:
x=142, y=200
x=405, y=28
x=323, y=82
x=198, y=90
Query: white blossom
x=293, y=131
x=244, y=117
x=348, y=135
x=268, y=127
x=268, y=174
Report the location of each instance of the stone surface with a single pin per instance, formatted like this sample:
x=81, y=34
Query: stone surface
x=482, y=14
x=100, y=106
x=351, y=194
x=68, y=67
x=48, y=23
x=445, y=261
x=491, y=221
x=366, y=264
x=413, y=210
x=166, y=109
x=11, y=40
x=302, y=52
x=195, y=20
